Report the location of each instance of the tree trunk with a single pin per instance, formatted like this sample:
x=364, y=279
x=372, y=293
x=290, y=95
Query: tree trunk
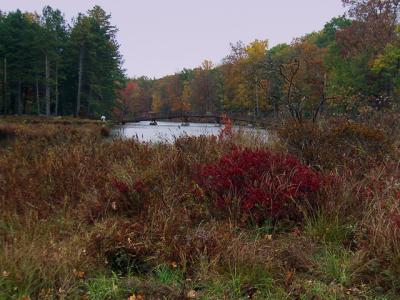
x=275, y=106
x=78, y=98
x=257, y=108
x=89, y=100
x=5, y=86
x=47, y=71
x=56, y=108
x=19, y=102
x=37, y=96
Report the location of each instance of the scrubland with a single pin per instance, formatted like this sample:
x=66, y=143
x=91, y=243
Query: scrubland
x=311, y=213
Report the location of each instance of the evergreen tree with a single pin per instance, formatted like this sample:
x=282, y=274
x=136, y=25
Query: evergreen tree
x=74, y=70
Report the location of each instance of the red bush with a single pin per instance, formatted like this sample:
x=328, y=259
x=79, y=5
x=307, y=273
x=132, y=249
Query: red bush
x=138, y=186
x=123, y=188
x=266, y=185
x=120, y=186
x=131, y=198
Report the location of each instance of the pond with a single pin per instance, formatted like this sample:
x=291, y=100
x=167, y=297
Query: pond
x=168, y=131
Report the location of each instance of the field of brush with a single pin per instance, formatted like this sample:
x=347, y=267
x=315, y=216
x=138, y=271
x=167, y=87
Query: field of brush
x=312, y=213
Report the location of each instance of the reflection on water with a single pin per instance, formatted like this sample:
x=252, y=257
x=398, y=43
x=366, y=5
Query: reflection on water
x=164, y=131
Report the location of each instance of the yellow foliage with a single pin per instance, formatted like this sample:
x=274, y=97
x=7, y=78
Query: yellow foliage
x=387, y=60
x=186, y=94
x=156, y=103
x=256, y=50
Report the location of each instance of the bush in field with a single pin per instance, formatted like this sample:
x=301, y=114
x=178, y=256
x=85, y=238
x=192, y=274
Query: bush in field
x=258, y=184
x=130, y=198
x=7, y=131
x=301, y=139
x=380, y=223
x=105, y=131
x=198, y=148
x=337, y=144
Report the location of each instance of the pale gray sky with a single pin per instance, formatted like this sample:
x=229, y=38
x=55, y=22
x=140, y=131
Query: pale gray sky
x=160, y=37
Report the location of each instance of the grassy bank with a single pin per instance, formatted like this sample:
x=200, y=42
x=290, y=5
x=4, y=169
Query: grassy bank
x=311, y=214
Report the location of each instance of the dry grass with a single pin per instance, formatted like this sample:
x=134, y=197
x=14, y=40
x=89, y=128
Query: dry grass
x=82, y=215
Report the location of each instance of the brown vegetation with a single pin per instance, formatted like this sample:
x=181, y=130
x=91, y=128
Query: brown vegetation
x=82, y=215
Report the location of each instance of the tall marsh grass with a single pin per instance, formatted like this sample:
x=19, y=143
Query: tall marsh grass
x=86, y=216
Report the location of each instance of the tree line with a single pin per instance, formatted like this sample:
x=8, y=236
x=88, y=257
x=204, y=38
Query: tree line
x=351, y=65
x=52, y=67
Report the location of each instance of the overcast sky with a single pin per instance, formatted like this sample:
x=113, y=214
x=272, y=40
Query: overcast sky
x=160, y=37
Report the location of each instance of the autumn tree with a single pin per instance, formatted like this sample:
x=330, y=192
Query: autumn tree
x=272, y=85
x=144, y=96
x=203, y=88
x=255, y=70
x=305, y=81
x=387, y=66
x=244, y=72
x=186, y=97
x=236, y=90
x=126, y=104
x=372, y=30
x=156, y=104
x=174, y=93
x=373, y=26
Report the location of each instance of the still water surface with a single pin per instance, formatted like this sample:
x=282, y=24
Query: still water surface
x=168, y=131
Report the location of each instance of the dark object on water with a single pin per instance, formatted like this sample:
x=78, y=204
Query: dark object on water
x=153, y=123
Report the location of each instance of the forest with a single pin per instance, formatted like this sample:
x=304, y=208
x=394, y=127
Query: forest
x=350, y=66
x=54, y=68
x=50, y=67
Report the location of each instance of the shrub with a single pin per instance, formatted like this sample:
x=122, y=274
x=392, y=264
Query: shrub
x=339, y=144
x=358, y=142
x=302, y=139
x=130, y=199
x=258, y=184
x=105, y=131
x=379, y=237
